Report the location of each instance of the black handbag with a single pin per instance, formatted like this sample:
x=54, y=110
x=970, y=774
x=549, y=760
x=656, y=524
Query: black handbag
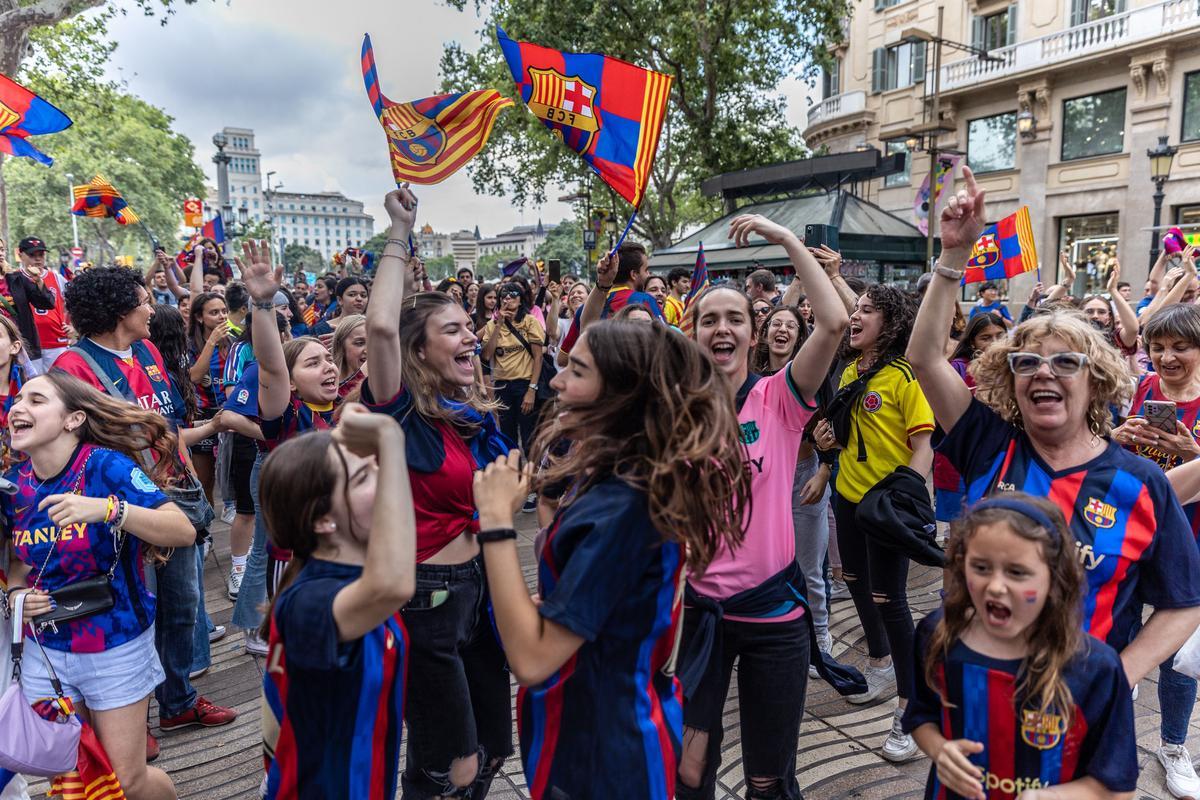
x=544, y=392
x=78, y=600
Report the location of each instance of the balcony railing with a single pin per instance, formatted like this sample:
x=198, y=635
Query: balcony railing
x=1140, y=24
x=840, y=105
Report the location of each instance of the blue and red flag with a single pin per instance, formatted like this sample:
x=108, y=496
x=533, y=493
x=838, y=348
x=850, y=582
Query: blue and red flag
x=24, y=114
x=608, y=110
x=1004, y=250
x=431, y=138
x=699, y=284
x=214, y=229
x=101, y=199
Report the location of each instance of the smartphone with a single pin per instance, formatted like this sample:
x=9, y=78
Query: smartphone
x=817, y=235
x=554, y=270
x=1160, y=414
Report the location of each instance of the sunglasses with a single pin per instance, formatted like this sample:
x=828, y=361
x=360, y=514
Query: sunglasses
x=762, y=312
x=1063, y=365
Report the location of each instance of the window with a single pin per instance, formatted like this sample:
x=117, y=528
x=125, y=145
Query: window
x=1091, y=10
x=900, y=178
x=1094, y=125
x=992, y=143
x=897, y=66
x=1191, y=107
x=882, y=4
x=831, y=79
x=995, y=30
x=1091, y=244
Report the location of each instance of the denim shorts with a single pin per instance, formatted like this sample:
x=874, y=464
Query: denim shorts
x=103, y=681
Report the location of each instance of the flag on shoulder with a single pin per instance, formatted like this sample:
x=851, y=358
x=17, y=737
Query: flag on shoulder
x=101, y=199
x=1004, y=250
x=24, y=114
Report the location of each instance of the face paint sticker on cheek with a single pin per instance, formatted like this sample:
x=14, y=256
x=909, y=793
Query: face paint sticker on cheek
x=1031, y=597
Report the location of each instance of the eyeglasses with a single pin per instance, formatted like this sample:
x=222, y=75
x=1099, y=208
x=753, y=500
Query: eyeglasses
x=1063, y=365
x=778, y=324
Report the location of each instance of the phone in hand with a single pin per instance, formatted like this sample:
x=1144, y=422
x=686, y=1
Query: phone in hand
x=1160, y=414
x=554, y=270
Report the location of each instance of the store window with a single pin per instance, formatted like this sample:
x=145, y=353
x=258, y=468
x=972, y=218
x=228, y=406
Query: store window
x=900, y=178
x=1094, y=125
x=1188, y=219
x=1091, y=245
x=1191, y=107
x=992, y=143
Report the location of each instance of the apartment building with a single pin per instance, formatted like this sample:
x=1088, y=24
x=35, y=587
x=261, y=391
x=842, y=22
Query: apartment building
x=1058, y=117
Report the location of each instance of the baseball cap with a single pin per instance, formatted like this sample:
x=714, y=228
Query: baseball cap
x=32, y=244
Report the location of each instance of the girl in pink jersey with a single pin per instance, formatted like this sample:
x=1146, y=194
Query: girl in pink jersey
x=770, y=644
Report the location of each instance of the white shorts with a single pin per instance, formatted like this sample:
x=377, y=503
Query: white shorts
x=101, y=681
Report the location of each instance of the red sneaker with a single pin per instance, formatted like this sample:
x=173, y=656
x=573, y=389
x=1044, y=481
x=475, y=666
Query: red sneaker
x=151, y=746
x=203, y=713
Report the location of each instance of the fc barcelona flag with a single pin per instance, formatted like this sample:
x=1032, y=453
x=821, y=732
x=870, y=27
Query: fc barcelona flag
x=608, y=110
x=24, y=114
x=101, y=199
x=699, y=284
x=1003, y=251
x=431, y=138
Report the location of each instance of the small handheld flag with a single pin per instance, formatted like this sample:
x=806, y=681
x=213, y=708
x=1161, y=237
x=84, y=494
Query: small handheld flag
x=24, y=114
x=699, y=284
x=101, y=199
x=1004, y=250
x=922, y=204
x=430, y=139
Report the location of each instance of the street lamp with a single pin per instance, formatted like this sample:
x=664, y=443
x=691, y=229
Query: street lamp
x=222, y=159
x=71, y=201
x=1026, y=124
x=1161, y=157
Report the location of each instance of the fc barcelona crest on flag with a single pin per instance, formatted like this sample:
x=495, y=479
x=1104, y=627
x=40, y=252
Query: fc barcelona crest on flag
x=565, y=104
x=1043, y=731
x=1100, y=513
x=416, y=137
x=986, y=252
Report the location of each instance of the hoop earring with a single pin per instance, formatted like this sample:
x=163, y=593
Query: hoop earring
x=1094, y=425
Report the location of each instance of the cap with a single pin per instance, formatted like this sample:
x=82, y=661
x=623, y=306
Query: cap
x=281, y=298
x=32, y=244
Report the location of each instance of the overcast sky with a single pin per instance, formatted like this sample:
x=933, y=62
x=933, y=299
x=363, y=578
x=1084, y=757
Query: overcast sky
x=289, y=69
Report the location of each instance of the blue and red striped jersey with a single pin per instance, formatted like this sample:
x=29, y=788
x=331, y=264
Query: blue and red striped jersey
x=212, y=396
x=299, y=417
x=609, y=722
x=331, y=710
x=618, y=297
x=1149, y=388
x=1133, y=540
x=1023, y=747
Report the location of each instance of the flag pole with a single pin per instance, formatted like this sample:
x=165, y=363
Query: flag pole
x=154, y=245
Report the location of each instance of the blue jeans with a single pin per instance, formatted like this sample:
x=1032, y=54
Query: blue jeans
x=201, y=652
x=811, y=525
x=1176, y=698
x=247, y=611
x=175, y=622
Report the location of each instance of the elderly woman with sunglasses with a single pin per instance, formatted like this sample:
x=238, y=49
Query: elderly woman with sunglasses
x=1040, y=423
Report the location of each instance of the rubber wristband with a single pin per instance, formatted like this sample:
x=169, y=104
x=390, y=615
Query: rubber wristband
x=265, y=305
x=496, y=534
x=604, y=288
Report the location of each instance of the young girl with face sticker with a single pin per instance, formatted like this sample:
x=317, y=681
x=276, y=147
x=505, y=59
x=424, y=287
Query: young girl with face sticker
x=1011, y=697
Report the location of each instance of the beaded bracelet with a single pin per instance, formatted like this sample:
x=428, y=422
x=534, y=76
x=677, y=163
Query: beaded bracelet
x=122, y=513
x=111, y=510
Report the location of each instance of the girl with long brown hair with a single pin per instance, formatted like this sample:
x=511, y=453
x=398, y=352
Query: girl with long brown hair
x=1010, y=696
x=349, y=349
x=209, y=337
x=83, y=510
x=646, y=413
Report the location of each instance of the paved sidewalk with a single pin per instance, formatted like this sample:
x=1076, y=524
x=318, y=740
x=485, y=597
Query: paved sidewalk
x=837, y=757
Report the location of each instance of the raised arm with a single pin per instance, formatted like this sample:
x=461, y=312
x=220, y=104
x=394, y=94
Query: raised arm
x=262, y=281
x=1182, y=277
x=1065, y=281
x=167, y=265
x=1125, y=313
x=606, y=273
x=552, y=321
x=831, y=261
x=393, y=278
x=962, y=222
x=196, y=280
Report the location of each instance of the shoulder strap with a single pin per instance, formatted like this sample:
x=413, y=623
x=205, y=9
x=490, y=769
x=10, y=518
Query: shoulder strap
x=145, y=456
x=520, y=338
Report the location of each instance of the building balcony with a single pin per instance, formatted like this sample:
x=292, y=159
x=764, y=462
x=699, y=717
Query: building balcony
x=1149, y=23
x=835, y=115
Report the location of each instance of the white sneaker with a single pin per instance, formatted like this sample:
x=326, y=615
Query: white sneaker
x=825, y=645
x=838, y=590
x=880, y=681
x=255, y=644
x=234, y=584
x=217, y=633
x=1133, y=694
x=899, y=746
x=228, y=514
x=1181, y=775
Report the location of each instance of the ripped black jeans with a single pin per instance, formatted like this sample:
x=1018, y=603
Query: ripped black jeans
x=870, y=571
x=457, y=701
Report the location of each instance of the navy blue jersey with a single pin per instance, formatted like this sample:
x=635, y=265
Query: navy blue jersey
x=609, y=723
x=1023, y=747
x=1133, y=539
x=244, y=397
x=331, y=710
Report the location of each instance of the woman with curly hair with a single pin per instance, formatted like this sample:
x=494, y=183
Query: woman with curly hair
x=1040, y=423
x=887, y=425
x=595, y=656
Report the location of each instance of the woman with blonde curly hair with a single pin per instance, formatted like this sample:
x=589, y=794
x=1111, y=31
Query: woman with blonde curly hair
x=1040, y=423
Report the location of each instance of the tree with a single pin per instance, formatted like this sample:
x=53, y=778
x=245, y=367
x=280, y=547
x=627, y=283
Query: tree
x=301, y=256
x=727, y=58
x=131, y=144
x=257, y=230
x=440, y=268
x=565, y=242
x=490, y=264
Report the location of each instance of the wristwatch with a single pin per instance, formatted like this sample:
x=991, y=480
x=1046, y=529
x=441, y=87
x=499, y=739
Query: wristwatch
x=533, y=387
x=947, y=272
x=496, y=534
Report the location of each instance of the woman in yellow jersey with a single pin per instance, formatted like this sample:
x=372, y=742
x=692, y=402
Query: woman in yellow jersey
x=890, y=425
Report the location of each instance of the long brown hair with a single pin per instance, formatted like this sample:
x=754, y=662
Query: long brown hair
x=196, y=334
x=341, y=335
x=118, y=425
x=1055, y=636
x=423, y=383
x=760, y=359
x=665, y=425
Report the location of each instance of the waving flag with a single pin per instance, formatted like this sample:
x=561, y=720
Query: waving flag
x=431, y=138
x=101, y=199
x=608, y=110
x=699, y=284
x=947, y=162
x=1004, y=250
x=24, y=114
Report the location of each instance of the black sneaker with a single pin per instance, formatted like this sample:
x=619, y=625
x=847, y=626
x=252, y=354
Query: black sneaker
x=530, y=504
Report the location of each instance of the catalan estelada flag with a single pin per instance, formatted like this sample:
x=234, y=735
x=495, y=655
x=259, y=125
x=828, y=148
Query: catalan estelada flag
x=1005, y=249
x=101, y=199
x=608, y=110
x=24, y=114
x=699, y=284
x=431, y=138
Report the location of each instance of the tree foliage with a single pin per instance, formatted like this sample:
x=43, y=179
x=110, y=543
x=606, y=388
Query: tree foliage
x=565, y=242
x=131, y=144
x=301, y=256
x=728, y=58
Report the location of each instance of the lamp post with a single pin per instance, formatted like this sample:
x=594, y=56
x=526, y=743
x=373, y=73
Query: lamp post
x=222, y=159
x=71, y=202
x=269, y=197
x=1161, y=157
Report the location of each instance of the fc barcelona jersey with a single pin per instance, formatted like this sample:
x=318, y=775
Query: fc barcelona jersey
x=1130, y=533
x=1023, y=747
